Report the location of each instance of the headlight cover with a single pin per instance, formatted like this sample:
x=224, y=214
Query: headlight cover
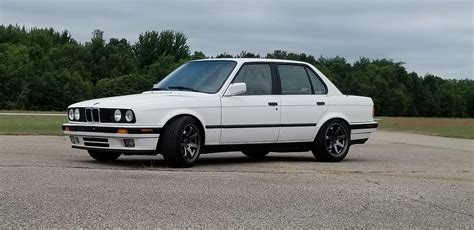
x=77, y=115
x=129, y=116
x=117, y=115
x=70, y=114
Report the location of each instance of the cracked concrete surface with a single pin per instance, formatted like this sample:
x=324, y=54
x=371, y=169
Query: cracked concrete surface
x=395, y=180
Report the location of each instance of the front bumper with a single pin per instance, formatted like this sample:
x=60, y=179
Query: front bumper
x=127, y=139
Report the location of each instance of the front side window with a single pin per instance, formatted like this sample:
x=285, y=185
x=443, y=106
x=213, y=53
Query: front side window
x=199, y=76
x=257, y=77
x=294, y=80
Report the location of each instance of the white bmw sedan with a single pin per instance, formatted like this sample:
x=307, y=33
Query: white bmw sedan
x=255, y=106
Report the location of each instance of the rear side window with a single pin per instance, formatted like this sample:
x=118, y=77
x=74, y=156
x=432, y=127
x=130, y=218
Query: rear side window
x=318, y=85
x=257, y=77
x=294, y=80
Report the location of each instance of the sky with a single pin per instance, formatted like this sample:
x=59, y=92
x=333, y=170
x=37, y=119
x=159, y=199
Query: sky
x=430, y=36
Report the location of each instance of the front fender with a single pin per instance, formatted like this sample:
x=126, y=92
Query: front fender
x=206, y=116
x=177, y=112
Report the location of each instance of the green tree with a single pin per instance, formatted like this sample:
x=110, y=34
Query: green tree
x=152, y=45
x=45, y=69
x=127, y=84
x=224, y=55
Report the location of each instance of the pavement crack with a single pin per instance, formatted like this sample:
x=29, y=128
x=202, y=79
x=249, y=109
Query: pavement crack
x=438, y=206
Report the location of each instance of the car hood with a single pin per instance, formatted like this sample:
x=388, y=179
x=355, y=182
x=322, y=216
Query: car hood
x=149, y=99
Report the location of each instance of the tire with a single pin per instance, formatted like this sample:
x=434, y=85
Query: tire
x=255, y=154
x=104, y=156
x=182, y=142
x=332, y=142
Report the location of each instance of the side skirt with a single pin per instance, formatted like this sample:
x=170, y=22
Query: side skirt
x=276, y=147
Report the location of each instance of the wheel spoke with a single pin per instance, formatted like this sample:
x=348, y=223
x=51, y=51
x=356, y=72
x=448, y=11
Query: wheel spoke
x=334, y=147
x=190, y=141
x=191, y=131
x=335, y=139
x=193, y=138
x=184, y=151
x=191, y=152
x=338, y=130
x=332, y=131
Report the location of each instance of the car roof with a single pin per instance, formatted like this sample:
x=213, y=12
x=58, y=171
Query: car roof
x=244, y=60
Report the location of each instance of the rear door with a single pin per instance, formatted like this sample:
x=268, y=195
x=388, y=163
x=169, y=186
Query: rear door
x=302, y=101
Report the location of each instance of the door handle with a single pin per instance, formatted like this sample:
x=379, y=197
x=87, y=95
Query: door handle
x=320, y=103
x=272, y=103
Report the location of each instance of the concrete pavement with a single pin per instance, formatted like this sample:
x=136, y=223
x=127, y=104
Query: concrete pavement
x=391, y=181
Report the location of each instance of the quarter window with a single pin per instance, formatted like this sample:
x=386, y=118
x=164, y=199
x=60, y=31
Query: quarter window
x=257, y=77
x=318, y=86
x=294, y=80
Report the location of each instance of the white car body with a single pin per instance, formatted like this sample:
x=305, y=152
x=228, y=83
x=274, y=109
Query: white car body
x=226, y=120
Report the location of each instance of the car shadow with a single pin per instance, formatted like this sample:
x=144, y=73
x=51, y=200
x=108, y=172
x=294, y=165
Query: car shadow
x=141, y=162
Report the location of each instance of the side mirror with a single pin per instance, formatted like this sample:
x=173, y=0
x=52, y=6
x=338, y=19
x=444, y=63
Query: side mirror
x=236, y=89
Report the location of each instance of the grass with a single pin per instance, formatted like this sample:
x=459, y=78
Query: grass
x=51, y=125
x=447, y=127
x=35, y=112
x=31, y=124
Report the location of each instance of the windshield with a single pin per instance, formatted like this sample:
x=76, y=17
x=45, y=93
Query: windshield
x=198, y=76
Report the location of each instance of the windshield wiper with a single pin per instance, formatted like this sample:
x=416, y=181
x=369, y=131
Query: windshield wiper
x=183, y=88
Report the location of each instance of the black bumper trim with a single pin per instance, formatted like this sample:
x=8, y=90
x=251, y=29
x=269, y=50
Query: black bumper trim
x=103, y=129
x=365, y=126
x=126, y=152
x=88, y=144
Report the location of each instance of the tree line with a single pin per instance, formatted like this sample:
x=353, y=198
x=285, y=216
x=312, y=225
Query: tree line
x=45, y=69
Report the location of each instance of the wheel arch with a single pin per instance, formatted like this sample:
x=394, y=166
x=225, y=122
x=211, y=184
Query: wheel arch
x=176, y=116
x=329, y=117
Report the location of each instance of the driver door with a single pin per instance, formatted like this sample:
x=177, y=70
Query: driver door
x=252, y=117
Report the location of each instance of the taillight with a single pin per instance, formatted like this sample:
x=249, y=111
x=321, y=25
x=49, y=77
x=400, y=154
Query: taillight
x=373, y=111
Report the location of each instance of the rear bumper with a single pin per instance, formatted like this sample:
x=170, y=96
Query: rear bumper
x=360, y=132
x=127, y=140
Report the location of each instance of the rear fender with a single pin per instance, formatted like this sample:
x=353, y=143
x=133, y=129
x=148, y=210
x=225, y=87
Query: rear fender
x=327, y=117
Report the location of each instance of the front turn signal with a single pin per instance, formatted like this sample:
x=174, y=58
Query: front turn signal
x=122, y=131
x=146, y=130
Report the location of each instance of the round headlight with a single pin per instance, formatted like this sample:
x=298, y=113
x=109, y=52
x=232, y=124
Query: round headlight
x=70, y=114
x=117, y=115
x=76, y=114
x=129, y=116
